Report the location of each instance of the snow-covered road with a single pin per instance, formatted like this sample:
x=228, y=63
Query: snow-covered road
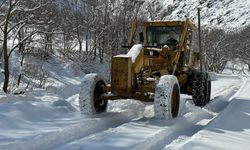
x=230, y=129
x=130, y=124
x=149, y=133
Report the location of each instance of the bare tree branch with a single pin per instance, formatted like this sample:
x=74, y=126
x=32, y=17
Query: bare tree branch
x=17, y=24
x=24, y=39
x=1, y=29
x=17, y=31
x=35, y=8
x=15, y=3
x=52, y=32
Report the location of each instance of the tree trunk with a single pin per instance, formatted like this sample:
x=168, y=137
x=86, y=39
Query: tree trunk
x=6, y=64
x=5, y=50
x=95, y=44
x=19, y=79
x=100, y=52
x=64, y=45
x=87, y=44
x=80, y=44
x=21, y=65
x=48, y=45
x=1, y=53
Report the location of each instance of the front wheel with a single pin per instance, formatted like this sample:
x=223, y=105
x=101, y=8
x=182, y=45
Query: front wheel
x=91, y=95
x=167, y=97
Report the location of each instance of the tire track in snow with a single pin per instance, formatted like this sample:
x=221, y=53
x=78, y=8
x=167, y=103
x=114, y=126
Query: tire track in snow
x=190, y=125
x=218, y=91
x=219, y=118
x=150, y=133
x=73, y=132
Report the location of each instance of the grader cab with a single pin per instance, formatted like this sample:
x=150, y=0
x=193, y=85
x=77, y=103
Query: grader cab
x=157, y=70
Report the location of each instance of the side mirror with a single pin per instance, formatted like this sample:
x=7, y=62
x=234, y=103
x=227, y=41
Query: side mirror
x=141, y=37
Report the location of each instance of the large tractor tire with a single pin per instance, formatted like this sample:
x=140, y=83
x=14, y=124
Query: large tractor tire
x=167, y=97
x=91, y=92
x=201, y=89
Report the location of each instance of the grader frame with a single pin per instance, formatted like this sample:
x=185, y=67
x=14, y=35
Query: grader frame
x=155, y=71
x=136, y=79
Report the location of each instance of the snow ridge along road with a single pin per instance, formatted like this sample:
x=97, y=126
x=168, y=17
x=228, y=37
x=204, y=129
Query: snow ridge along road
x=217, y=107
x=230, y=129
x=189, y=125
x=149, y=133
x=82, y=128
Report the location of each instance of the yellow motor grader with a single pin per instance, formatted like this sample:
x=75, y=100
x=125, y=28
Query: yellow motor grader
x=157, y=70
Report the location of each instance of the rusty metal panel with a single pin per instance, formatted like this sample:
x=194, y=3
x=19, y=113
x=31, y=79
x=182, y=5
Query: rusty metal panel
x=121, y=78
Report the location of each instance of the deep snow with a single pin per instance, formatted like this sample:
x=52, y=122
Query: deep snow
x=50, y=118
x=128, y=124
x=230, y=130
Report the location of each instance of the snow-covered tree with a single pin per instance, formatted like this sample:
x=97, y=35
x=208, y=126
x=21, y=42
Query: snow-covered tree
x=243, y=45
x=15, y=15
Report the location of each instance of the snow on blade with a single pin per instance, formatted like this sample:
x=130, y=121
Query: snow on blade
x=134, y=51
x=122, y=55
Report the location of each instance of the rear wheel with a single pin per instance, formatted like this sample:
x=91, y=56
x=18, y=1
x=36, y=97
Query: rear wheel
x=201, y=89
x=91, y=95
x=167, y=98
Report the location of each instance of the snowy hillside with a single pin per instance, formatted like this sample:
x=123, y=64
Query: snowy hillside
x=223, y=14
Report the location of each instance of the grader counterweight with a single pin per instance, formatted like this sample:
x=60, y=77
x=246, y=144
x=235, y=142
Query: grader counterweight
x=158, y=70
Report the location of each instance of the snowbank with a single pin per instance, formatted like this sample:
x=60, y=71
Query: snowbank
x=230, y=130
x=46, y=123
